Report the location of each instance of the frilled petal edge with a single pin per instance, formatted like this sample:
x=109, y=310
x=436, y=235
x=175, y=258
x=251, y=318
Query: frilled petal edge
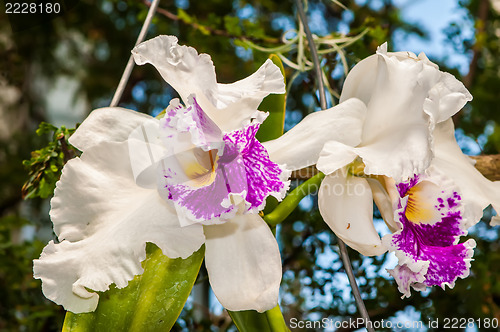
x=103, y=220
x=190, y=73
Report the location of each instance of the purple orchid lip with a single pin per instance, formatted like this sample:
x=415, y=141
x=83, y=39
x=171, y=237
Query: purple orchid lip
x=427, y=245
x=209, y=174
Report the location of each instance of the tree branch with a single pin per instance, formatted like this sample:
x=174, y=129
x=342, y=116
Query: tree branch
x=488, y=165
x=211, y=30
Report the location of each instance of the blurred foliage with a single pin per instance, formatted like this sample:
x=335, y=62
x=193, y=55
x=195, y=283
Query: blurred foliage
x=90, y=41
x=44, y=167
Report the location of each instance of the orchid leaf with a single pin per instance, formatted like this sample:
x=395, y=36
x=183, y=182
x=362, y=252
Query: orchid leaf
x=253, y=321
x=275, y=104
x=150, y=302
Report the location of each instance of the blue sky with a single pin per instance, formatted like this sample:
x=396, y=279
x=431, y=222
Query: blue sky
x=435, y=16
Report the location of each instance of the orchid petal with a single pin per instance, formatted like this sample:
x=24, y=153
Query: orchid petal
x=405, y=96
x=398, y=156
x=345, y=202
x=301, y=146
x=243, y=170
x=243, y=263
x=103, y=220
x=383, y=201
x=431, y=222
x=407, y=279
x=146, y=150
x=229, y=105
x=334, y=156
x=477, y=191
x=108, y=124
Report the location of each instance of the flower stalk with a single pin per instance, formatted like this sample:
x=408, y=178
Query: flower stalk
x=322, y=99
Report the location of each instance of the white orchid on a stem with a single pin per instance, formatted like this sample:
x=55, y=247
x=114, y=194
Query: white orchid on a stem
x=196, y=176
x=402, y=154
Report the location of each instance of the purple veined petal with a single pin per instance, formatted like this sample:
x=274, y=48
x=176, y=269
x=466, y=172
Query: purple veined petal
x=407, y=279
x=189, y=126
x=210, y=189
x=207, y=196
x=264, y=177
x=431, y=217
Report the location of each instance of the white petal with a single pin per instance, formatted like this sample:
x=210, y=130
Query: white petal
x=334, y=156
x=237, y=102
x=243, y=263
x=180, y=66
x=108, y=124
x=399, y=154
x=383, y=201
x=188, y=72
x=301, y=146
x=478, y=192
x=405, y=97
x=146, y=150
x=103, y=221
x=345, y=202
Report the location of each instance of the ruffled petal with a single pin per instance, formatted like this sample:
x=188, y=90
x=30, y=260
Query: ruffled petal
x=264, y=177
x=398, y=155
x=345, y=202
x=407, y=279
x=405, y=96
x=180, y=66
x=243, y=263
x=431, y=223
x=108, y=124
x=301, y=146
x=477, y=191
x=242, y=172
x=103, y=220
x=190, y=73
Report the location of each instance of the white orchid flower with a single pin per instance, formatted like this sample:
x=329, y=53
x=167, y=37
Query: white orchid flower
x=406, y=128
x=198, y=175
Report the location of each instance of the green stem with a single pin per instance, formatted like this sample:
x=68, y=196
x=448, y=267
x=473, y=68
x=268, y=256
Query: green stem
x=291, y=201
x=253, y=321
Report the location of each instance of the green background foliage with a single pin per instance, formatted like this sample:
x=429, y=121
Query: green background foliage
x=89, y=43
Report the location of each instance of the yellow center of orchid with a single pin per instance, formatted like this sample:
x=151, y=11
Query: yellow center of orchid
x=199, y=167
x=419, y=208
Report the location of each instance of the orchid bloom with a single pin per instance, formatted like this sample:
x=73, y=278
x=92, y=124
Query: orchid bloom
x=407, y=139
x=197, y=175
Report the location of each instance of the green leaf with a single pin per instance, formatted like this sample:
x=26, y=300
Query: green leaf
x=253, y=321
x=150, y=302
x=274, y=104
